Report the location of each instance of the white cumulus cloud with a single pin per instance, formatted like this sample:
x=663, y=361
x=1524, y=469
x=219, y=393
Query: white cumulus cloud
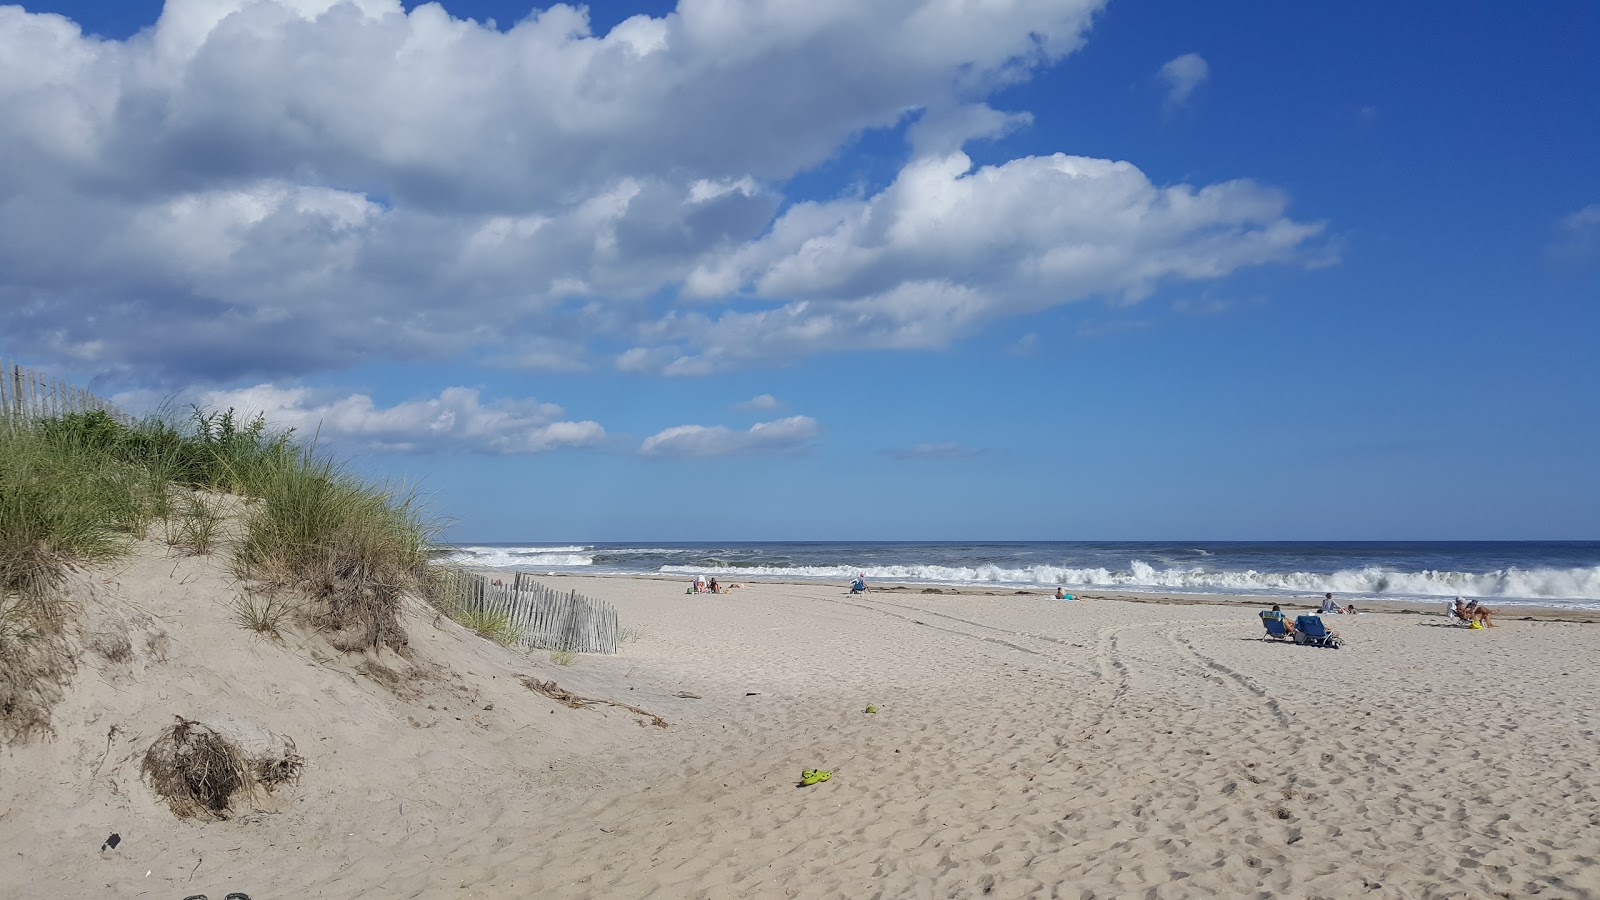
x=781, y=436
x=260, y=190
x=456, y=420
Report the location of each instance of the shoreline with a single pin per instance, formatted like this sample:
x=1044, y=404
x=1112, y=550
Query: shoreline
x=1521, y=611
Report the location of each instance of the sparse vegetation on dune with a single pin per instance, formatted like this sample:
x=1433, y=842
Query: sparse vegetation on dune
x=351, y=548
x=317, y=542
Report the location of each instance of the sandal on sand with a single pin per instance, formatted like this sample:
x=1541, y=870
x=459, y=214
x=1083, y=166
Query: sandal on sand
x=871, y=708
x=814, y=776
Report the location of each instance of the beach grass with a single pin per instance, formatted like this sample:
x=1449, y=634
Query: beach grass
x=495, y=626
x=77, y=490
x=351, y=548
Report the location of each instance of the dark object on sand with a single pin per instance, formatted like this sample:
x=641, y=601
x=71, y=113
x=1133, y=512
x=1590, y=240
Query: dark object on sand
x=685, y=695
x=112, y=842
x=237, y=895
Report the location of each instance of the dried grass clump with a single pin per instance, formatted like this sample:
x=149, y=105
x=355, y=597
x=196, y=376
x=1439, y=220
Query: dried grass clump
x=36, y=664
x=201, y=773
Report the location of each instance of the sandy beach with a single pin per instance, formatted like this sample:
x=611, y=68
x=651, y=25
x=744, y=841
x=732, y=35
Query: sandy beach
x=1021, y=747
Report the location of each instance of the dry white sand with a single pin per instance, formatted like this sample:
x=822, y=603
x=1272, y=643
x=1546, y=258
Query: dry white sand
x=1022, y=748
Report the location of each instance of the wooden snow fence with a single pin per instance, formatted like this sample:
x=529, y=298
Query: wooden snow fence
x=26, y=395
x=543, y=618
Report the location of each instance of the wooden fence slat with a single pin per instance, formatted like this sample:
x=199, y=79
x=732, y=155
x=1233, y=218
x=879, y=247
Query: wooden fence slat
x=27, y=394
x=542, y=617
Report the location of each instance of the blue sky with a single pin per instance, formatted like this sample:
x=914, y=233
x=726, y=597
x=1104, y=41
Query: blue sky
x=769, y=271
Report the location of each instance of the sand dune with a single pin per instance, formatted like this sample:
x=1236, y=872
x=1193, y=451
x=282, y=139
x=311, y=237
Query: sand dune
x=1022, y=748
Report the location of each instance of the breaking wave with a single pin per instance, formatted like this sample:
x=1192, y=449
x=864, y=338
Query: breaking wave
x=511, y=557
x=1514, y=583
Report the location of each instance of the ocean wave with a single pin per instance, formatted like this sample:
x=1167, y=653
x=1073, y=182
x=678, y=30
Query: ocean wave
x=1529, y=584
x=512, y=558
x=520, y=548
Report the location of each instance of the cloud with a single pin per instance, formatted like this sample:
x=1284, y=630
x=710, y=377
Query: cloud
x=947, y=248
x=758, y=402
x=456, y=420
x=1182, y=75
x=1027, y=345
x=782, y=436
x=939, y=450
x=260, y=190
x=1577, y=240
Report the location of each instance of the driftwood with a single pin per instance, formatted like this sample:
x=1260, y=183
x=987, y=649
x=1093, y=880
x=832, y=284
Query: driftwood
x=567, y=698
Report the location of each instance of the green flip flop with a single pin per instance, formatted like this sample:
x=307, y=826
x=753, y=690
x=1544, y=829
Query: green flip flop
x=814, y=776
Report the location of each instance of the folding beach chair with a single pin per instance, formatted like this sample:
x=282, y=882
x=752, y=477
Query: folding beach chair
x=1310, y=631
x=1276, y=629
x=1453, y=619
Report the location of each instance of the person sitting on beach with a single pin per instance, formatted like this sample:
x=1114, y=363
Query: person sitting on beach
x=713, y=586
x=859, y=586
x=699, y=584
x=1276, y=613
x=1328, y=606
x=1478, y=613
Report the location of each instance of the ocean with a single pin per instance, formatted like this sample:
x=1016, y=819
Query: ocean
x=1546, y=573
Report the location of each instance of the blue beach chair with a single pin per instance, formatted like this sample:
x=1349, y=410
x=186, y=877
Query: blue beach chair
x=1310, y=631
x=1276, y=630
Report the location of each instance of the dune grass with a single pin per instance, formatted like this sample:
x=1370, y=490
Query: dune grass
x=494, y=626
x=77, y=490
x=60, y=505
x=351, y=548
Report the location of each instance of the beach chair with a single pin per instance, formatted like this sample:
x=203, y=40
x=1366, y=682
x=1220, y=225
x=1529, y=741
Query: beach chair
x=1276, y=629
x=1310, y=631
x=1455, y=620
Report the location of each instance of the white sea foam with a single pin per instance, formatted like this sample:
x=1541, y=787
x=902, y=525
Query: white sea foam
x=577, y=548
x=1513, y=583
x=513, y=557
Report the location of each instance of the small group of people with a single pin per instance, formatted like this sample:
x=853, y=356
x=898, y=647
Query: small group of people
x=702, y=585
x=1473, y=612
x=1328, y=606
x=1332, y=607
